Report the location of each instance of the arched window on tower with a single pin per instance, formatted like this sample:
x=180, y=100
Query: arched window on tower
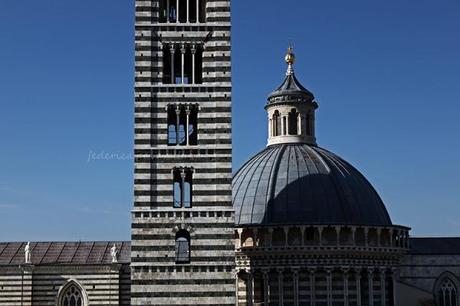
x=175, y=11
x=71, y=295
x=182, y=11
x=177, y=64
x=182, y=64
x=188, y=65
x=167, y=77
x=182, y=136
x=193, y=126
x=192, y=11
x=447, y=293
x=172, y=61
x=182, y=246
x=202, y=11
x=182, y=187
x=172, y=126
x=182, y=120
x=293, y=121
x=197, y=63
x=276, y=119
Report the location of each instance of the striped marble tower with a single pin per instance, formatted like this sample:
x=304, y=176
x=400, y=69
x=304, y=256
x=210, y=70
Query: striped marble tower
x=182, y=219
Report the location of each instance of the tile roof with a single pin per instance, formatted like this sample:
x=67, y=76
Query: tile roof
x=435, y=246
x=76, y=253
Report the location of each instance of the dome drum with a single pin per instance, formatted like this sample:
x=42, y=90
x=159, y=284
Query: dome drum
x=274, y=262
x=322, y=237
x=290, y=123
x=293, y=285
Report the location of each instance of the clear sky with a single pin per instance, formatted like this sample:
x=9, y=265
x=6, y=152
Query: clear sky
x=386, y=75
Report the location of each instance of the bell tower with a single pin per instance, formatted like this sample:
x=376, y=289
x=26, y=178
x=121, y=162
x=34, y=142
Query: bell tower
x=291, y=110
x=182, y=249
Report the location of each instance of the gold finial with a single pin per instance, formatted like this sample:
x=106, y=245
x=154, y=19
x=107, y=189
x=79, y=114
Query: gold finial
x=290, y=57
x=290, y=60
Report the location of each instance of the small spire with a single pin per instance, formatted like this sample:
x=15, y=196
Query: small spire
x=290, y=60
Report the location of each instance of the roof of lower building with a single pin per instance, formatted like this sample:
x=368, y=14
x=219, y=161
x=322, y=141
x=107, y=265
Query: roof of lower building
x=435, y=246
x=55, y=253
x=303, y=184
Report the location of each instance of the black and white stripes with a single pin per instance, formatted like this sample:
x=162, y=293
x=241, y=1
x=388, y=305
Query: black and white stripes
x=157, y=279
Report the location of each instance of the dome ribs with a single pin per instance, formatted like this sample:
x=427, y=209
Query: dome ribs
x=348, y=198
x=248, y=172
x=327, y=200
x=281, y=195
x=259, y=193
x=305, y=196
x=302, y=184
x=372, y=195
x=273, y=182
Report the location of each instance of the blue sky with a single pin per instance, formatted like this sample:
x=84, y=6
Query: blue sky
x=386, y=75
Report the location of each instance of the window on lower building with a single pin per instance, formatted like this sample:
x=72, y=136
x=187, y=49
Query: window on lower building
x=182, y=187
x=182, y=247
x=447, y=295
x=71, y=295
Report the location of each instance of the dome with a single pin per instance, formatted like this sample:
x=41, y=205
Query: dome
x=302, y=184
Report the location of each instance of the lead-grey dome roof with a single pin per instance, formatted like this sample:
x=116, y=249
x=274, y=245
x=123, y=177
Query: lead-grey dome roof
x=303, y=184
x=292, y=88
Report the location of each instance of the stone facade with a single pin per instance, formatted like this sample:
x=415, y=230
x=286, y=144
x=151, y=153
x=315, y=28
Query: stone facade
x=58, y=266
x=319, y=265
x=271, y=272
x=187, y=247
x=183, y=155
x=430, y=274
